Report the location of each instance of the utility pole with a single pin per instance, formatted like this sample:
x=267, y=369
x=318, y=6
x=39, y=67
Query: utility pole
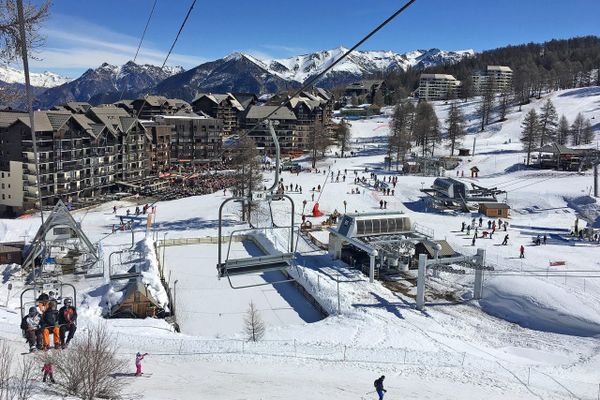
x=474, y=141
x=23, y=45
x=596, y=180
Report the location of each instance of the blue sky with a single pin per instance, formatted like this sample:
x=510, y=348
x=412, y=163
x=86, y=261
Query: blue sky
x=83, y=33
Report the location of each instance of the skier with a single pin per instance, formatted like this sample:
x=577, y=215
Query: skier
x=522, y=252
x=114, y=209
x=379, y=387
x=489, y=224
x=385, y=205
x=31, y=329
x=138, y=363
x=468, y=230
x=50, y=322
x=474, y=239
x=67, y=318
x=380, y=204
x=544, y=239
x=462, y=227
x=505, y=241
x=480, y=221
x=47, y=370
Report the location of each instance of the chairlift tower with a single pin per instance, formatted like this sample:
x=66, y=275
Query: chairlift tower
x=252, y=265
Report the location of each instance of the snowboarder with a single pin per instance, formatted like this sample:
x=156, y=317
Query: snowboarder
x=67, y=318
x=48, y=370
x=138, y=363
x=31, y=329
x=522, y=252
x=379, y=387
x=505, y=241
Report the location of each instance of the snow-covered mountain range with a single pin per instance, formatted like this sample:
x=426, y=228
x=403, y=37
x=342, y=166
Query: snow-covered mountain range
x=106, y=83
x=44, y=79
x=299, y=68
x=237, y=72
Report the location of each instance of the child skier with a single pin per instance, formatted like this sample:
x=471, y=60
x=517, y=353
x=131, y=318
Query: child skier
x=47, y=370
x=138, y=363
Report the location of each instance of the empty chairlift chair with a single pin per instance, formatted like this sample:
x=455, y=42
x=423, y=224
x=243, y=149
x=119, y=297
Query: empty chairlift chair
x=263, y=263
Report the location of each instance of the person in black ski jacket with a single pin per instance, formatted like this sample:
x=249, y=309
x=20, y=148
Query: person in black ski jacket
x=67, y=318
x=50, y=323
x=31, y=329
x=379, y=387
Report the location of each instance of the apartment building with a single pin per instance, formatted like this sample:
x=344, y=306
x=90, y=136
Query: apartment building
x=495, y=77
x=285, y=122
x=80, y=155
x=224, y=107
x=195, y=139
x=159, y=148
x=437, y=87
x=148, y=107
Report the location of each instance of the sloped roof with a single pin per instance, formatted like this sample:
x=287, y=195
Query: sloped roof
x=58, y=119
x=445, y=251
x=155, y=101
x=40, y=119
x=261, y=112
x=8, y=117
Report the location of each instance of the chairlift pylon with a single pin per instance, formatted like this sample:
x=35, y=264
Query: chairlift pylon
x=265, y=263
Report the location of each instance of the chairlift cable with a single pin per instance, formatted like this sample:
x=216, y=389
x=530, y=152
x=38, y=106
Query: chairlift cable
x=141, y=41
x=315, y=78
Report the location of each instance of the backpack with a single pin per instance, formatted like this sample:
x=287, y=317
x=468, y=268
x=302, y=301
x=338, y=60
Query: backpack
x=24, y=323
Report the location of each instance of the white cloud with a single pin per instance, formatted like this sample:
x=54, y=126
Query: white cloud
x=74, y=43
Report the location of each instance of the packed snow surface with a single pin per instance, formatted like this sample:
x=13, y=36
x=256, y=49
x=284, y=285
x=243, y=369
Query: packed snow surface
x=534, y=335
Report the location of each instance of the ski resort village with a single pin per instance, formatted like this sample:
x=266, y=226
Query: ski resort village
x=340, y=224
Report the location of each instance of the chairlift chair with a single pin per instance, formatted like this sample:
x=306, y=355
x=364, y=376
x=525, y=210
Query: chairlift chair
x=258, y=264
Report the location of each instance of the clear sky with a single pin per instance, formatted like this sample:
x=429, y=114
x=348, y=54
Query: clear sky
x=82, y=34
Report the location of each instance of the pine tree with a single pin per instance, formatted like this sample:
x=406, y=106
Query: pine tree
x=343, y=136
x=248, y=175
x=548, y=122
x=577, y=130
x=318, y=142
x=399, y=141
x=466, y=88
x=455, y=123
x=587, y=135
x=378, y=98
x=486, y=106
x=253, y=324
x=563, y=131
x=503, y=105
x=426, y=126
x=530, y=133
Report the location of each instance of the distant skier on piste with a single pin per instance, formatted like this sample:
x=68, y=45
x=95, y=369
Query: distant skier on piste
x=379, y=386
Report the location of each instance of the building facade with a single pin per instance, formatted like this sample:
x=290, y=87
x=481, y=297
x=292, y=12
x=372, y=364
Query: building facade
x=195, y=139
x=497, y=78
x=437, y=87
x=80, y=155
x=224, y=107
